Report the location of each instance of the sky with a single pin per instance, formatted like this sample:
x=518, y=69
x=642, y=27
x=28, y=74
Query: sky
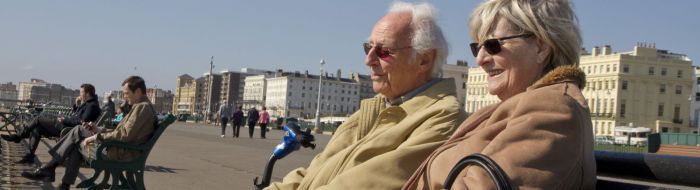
x=103, y=42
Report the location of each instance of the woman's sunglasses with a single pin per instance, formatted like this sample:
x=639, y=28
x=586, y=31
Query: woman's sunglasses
x=381, y=52
x=493, y=46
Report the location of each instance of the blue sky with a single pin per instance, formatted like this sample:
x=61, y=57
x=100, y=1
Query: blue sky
x=102, y=42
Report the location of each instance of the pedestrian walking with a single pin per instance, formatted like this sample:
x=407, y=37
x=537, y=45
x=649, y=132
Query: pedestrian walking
x=252, y=120
x=224, y=114
x=237, y=121
x=264, y=120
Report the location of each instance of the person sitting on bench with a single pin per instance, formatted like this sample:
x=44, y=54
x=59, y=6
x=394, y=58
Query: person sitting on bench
x=80, y=142
x=51, y=126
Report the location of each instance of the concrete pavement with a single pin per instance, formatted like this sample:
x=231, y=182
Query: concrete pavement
x=187, y=156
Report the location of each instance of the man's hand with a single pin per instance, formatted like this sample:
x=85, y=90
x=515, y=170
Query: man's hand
x=88, y=140
x=78, y=100
x=88, y=125
x=60, y=119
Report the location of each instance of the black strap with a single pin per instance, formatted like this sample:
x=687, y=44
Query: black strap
x=483, y=161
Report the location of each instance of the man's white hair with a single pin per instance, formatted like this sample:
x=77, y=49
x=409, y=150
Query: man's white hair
x=425, y=34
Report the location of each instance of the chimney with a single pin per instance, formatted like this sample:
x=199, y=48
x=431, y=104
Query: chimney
x=606, y=50
x=594, y=51
x=278, y=73
x=338, y=74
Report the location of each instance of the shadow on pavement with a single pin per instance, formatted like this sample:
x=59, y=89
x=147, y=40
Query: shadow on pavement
x=160, y=169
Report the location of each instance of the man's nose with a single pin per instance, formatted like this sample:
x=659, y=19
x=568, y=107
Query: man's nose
x=371, y=58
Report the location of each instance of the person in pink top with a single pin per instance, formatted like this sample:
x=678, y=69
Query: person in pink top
x=263, y=121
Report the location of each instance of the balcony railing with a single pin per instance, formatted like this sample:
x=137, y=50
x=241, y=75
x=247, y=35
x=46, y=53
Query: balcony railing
x=602, y=115
x=678, y=121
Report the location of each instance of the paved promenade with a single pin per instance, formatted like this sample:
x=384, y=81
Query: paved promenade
x=187, y=156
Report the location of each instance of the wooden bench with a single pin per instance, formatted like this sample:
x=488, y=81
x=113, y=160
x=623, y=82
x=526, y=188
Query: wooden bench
x=680, y=150
x=125, y=175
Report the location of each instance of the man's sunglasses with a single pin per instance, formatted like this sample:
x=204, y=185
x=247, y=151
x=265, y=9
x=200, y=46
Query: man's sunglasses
x=493, y=46
x=381, y=52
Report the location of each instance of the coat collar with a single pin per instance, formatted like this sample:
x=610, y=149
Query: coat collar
x=445, y=87
x=567, y=73
x=372, y=107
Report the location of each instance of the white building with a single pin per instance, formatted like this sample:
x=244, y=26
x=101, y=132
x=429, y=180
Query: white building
x=459, y=73
x=365, y=82
x=477, y=90
x=295, y=95
x=41, y=91
x=254, y=91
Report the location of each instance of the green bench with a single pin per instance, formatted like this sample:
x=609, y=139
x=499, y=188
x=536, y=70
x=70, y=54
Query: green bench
x=125, y=175
x=8, y=119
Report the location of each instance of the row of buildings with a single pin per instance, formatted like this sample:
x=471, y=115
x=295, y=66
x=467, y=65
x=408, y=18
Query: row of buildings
x=645, y=87
x=285, y=94
x=162, y=100
x=40, y=92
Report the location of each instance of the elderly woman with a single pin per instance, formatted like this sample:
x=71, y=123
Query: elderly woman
x=540, y=133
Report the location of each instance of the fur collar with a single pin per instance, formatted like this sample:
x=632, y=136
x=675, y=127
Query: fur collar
x=566, y=73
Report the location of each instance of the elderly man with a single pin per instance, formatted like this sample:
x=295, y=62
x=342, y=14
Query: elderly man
x=85, y=109
x=381, y=144
x=137, y=127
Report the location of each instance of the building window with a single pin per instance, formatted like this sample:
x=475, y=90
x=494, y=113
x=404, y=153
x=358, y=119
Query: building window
x=614, y=68
x=677, y=112
x=651, y=70
x=625, y=68
x=624, y=85
x=663, y=71
x=622, y=108
x=660, y=111
x=612, y=105
x=662, y=88
x=290, y=94
x=607, y=68
x=697, y=81
x=680, y=73
x=697, y=96
x=605, y=105
x=607, y=84
x=679, y=89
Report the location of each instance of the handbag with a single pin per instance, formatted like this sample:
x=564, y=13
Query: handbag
x=483, y=161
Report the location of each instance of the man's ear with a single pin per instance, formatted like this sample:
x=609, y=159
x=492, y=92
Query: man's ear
x=427, y=61
x=543, y=52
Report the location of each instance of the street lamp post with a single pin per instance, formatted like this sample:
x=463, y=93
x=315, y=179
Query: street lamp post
x=317, y=128
x=209, y=90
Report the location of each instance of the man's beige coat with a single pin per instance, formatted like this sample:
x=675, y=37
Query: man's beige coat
x=379, y=147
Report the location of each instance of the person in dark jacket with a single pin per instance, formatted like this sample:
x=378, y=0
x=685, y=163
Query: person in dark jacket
x=237, y=121
x=50, y=126
x=252, y=120
x=109, y=109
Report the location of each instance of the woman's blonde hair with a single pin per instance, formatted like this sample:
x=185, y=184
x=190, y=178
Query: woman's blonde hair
x=551, y=21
